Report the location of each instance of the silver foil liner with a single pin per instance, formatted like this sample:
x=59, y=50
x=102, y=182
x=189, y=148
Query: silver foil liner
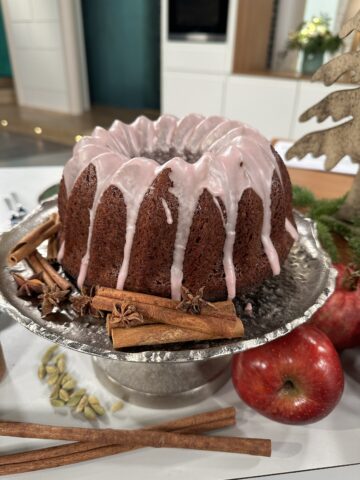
x=279, y=305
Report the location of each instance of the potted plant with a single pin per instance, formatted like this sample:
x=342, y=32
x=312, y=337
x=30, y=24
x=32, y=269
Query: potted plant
x=314, y=38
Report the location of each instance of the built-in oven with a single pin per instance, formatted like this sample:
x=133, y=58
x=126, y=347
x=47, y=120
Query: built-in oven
x=198, y=20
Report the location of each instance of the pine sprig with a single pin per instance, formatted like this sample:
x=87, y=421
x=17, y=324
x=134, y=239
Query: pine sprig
x=325, y=207
x=302, y=197
x=357, y=222
x=327, y=241
x=323, y=212
x=337, y=226
x=354, y=245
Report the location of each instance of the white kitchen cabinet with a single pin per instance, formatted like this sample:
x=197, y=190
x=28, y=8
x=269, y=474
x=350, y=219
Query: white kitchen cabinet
x=265, y=103
x=198, y=56
x=46, y=45
x=192, y=57
x=272, y=105
x=184, y=93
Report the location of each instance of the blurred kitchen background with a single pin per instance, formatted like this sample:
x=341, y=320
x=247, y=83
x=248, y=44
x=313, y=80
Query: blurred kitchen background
x=68, y=65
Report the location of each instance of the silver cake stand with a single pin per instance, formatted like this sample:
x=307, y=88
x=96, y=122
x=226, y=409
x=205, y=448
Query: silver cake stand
x=176, y=375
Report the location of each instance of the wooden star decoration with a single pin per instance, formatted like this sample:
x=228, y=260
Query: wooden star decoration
x=343, y=139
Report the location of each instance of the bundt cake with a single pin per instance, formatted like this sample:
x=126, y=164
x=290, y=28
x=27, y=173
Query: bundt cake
x=196, y=201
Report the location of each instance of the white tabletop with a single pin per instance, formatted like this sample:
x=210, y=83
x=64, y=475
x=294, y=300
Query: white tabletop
x=332, y=442
x=28, y=183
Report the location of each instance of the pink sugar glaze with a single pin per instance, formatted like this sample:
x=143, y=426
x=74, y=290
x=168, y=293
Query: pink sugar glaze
x=167, y=210
x=61, y=252
x=289, y=227
x=105, y=165
x=232, y=158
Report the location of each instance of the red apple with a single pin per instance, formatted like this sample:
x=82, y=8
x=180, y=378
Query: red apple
x=339, y=318
x=295, y=379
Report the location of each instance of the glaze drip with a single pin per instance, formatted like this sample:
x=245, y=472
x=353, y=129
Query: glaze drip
x=61, y=252
x=105, y=166
x=189, y=181
x=222, y=156
x=289, y=227
x=216, y=201
x=169, y=218
x=133, y=180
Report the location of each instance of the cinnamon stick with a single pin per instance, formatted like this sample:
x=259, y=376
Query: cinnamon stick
x=188, y=426
x=109, y=327
x=149, y=438
x=213, y=324
x=35, y=265
x=35, y=430
x=134, y=297
x=155, y=335
x=33, y=239
x=56, y=459
x=52, y=249
x=60, y=281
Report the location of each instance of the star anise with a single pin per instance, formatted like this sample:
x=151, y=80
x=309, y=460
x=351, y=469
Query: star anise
x=193, y=303
x=29, y=287
x=125, y=315
x=52, y=298
x=82, y=304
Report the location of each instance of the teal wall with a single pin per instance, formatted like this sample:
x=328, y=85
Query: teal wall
x=122, y=39
x=5, y=68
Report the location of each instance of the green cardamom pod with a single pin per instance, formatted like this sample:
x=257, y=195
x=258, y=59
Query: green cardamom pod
x=41, y=371
x=93, y=400
x=82, y=404
x=89, y=413
x=58, y=356
x=66, y=378
x=98, y=409
x=117, y=406
x=69, y=385
x=60, y=379
x=61, y=364
x=55, y=392
x=73, y=402
x=51, y=370
x=53, y=379
x=78, y=393
x=75, y=397
x=49, y=354
x=55, y=402
x=63, y=394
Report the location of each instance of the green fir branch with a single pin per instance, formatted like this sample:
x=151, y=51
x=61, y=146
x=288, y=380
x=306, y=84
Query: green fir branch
x=337, y=226
x=354, y=245
x=356, y=222
x=327, y=241
x=325, y=207
x=302, y=197
x=323, y=212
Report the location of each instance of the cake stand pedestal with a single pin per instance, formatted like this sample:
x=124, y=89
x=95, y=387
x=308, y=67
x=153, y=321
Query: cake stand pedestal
x=163, y=385
x=176, y=375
